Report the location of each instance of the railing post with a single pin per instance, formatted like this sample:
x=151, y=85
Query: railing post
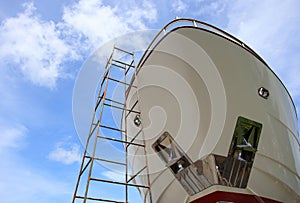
x=195, y=24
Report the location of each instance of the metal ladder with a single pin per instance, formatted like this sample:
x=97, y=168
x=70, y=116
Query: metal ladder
x=116, y=134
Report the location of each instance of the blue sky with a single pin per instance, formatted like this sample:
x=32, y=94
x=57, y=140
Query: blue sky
x=43, y=45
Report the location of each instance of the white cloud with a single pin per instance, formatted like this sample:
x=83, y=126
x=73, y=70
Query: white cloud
x=19, y=182
x=179, y=6
x=263, y=26
x=11, y=137
x=34, y=46
x=65, y=153
x=137, y=15
x=39, y=48
x=115, y=176
x=95, y=23
x=214, y=10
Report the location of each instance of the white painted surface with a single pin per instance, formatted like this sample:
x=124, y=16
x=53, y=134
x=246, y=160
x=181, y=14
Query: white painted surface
x=195, y=85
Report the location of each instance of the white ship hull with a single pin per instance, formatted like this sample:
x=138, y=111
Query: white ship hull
x=196, y=88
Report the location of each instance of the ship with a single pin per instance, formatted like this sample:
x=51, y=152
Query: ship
x=219, y=124
x=204, y=120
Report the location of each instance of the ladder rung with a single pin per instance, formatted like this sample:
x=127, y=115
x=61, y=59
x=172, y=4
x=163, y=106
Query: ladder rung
x=131, y=109
x=131, y=64
x=135, y=137
x=105, y=160
x=121, y=62
x=130, y=86
x=93, y=130
x=122, y=67
x=123, y=50
x=129, y=67
x=99, y=199
x=119, y=81
x=97, y=104
x=112, y=128
x=137, y=174
x=104, y=78
x=85, y=167
x=114, y=101
x=111, y=100
x=127, y=70
x=107, y=181
x=122, y=141
x=117, y=107
x=99, y=101
x=119, y=183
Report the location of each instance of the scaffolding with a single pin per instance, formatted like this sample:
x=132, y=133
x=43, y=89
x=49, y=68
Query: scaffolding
x=101, y=132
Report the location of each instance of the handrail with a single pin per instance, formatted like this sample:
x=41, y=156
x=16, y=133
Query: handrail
x=199, y=24
x=195, y=23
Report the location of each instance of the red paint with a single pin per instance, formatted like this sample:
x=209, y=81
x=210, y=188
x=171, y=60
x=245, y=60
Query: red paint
x=232, y=197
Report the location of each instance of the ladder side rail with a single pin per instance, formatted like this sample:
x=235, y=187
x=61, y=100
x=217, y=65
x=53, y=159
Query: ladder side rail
x=143, y=138
x=87, y=143
x=126, y=139
x=96, y=139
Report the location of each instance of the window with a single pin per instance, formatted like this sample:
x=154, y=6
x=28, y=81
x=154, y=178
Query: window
x=234, y=170
x=245, y=139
